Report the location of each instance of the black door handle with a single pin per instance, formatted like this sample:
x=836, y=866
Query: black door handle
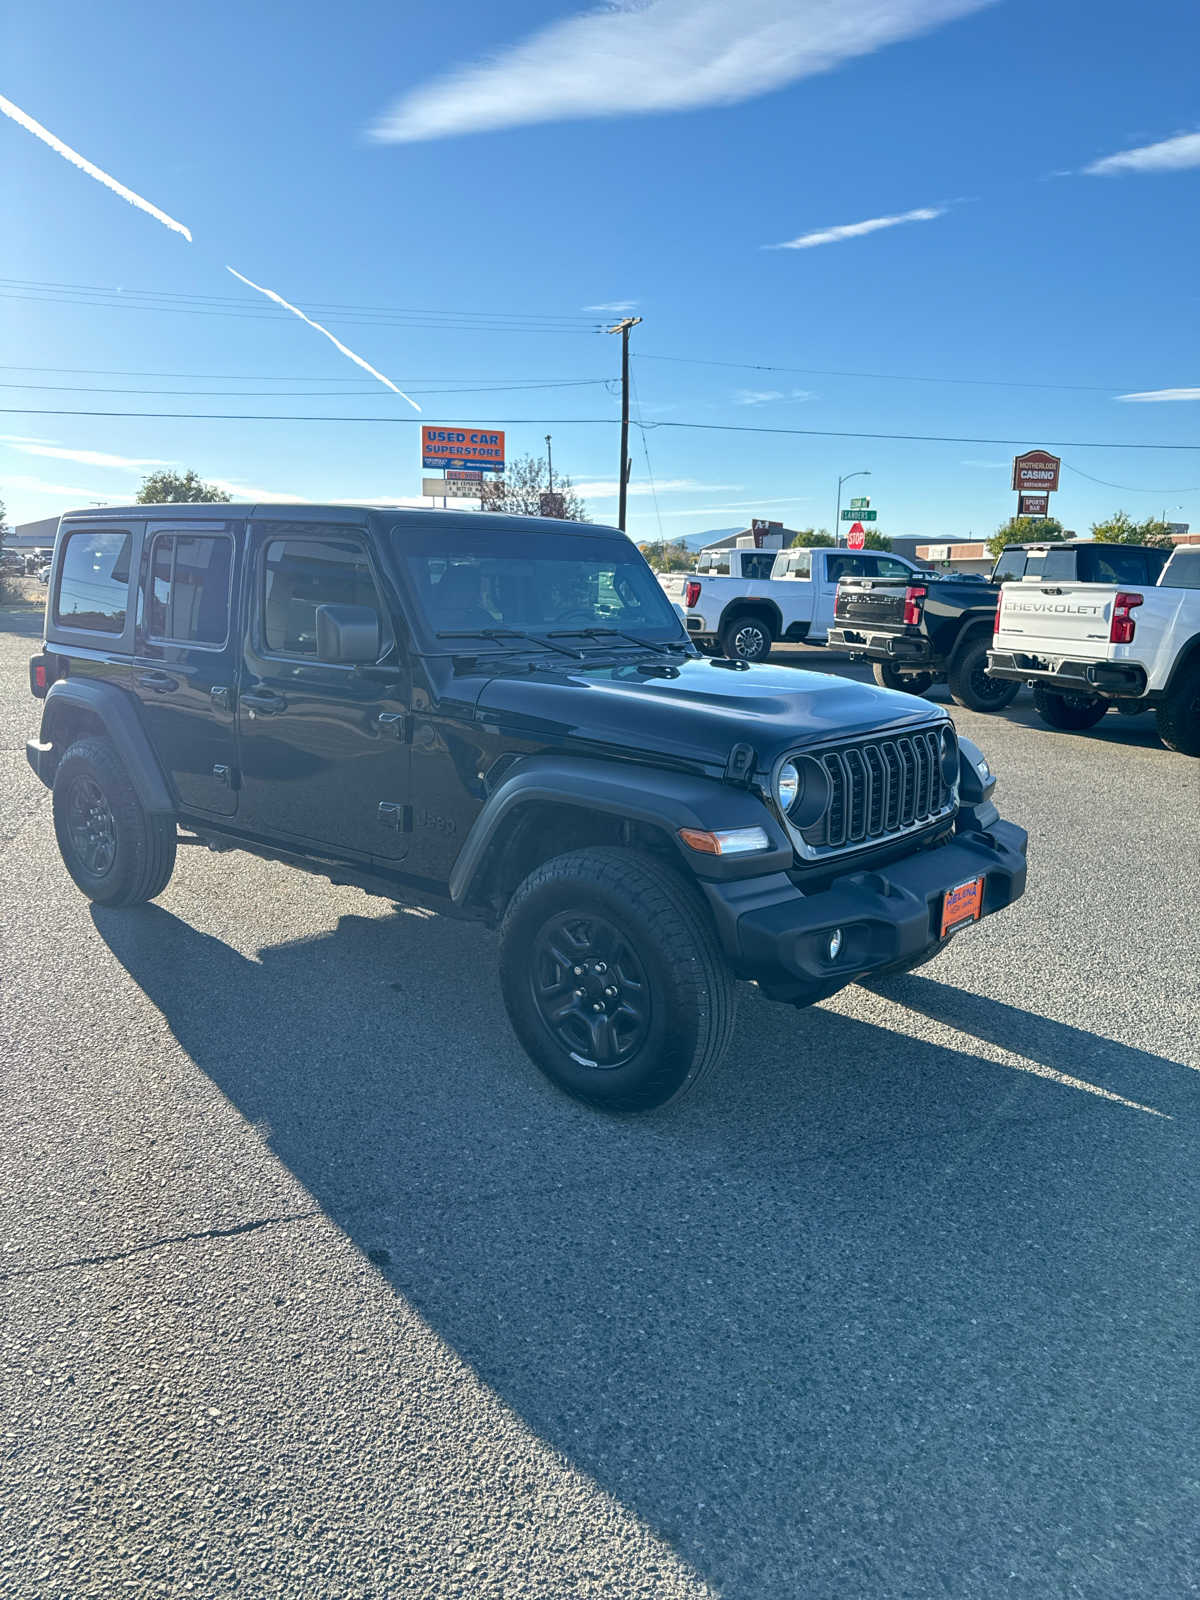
x=267, y=704
x=160, y=682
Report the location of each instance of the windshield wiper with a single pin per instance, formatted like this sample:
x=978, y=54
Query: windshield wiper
x=508, y=633
x=617, y=633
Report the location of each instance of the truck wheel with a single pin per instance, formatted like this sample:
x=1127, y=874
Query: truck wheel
x=1178, y=716
x=1072, y=713
x=746, y=639
x=613, y=979
x=970, y=684
x=116, y=852
x=889, y=676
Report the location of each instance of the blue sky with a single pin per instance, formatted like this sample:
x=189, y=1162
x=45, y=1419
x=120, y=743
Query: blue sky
x=511, y=167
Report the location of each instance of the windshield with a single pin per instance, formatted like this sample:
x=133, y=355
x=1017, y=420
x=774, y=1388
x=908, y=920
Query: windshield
x=533, y=583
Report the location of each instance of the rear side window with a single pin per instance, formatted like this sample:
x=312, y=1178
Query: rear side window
x=798, y=564
x=93, y=585
x=714, y=566
x=187, y=599
x=300, y=574
x=757, y=566
x=1184, y=570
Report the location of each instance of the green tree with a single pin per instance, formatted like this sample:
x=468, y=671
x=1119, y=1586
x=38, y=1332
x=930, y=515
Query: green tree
x=668, y=555
x=809, y=538
x=519, y=490
x=161, y=488
x=1120, y=528
x=1026, y=530
x=876, y=541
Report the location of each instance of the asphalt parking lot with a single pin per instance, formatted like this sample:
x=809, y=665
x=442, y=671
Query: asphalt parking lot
x=312, y=1286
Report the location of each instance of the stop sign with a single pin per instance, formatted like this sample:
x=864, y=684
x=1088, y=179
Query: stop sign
x=856, y=538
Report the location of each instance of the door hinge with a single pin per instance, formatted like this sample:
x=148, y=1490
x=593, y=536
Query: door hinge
x=394, y=723
x=395, y=816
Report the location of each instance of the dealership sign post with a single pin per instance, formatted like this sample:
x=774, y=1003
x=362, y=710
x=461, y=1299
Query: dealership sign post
x=1035, y=478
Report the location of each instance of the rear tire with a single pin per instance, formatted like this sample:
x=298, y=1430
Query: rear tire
x=595, y=921
x=116, y=851
x=889, y=676
x=746, y=638
x=970, y=684
x=1178, y=716
x=1070, y=713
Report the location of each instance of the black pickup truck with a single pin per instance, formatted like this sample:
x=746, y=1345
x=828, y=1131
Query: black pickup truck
x=939, y=626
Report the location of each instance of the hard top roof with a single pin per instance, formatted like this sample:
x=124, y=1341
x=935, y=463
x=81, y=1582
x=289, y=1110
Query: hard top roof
x=361, y=516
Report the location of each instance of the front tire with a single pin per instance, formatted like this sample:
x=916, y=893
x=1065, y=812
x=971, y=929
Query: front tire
x=889, y=676
x=970, y=684
x=1178, y=716
x=1070, y=713
x=115, y=850
x=746, y=638
x=613, y=979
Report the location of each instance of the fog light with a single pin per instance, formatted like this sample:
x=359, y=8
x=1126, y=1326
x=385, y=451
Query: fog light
x=835, y=944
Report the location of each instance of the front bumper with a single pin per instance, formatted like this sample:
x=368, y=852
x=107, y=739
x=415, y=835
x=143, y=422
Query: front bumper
x=776, y=934
x=881, y=646
x=1120, y=679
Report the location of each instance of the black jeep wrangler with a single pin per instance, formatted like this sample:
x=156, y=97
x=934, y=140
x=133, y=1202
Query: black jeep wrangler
x=503, y=717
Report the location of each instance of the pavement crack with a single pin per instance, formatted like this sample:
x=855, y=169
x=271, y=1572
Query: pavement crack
x=162, y=1242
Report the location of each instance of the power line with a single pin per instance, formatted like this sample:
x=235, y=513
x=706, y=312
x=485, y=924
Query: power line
x=1131, y=488
x=885, y=377
x=300, y=394
x=567, y=422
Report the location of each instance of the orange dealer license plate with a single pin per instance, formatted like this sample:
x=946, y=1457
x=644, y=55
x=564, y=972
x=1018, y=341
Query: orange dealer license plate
x=964, y=904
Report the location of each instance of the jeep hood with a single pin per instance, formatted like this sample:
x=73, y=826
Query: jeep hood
x=693, y=710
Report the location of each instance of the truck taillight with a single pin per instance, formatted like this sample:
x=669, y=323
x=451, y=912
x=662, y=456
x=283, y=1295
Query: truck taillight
x=914, y=599
x=691, y=593
x=1123, y=623
x=999, y=608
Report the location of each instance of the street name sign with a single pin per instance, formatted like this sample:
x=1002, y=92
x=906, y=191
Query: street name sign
x=860, y=516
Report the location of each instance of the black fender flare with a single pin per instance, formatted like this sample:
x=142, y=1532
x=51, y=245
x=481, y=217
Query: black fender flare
x=652, y=795
x=760, y=607
x=116, y=711
x=975, y=627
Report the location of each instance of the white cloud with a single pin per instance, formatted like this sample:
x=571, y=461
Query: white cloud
x=1168, y=155
x=1153, y=395
x=608, y=489
x=721, y=511
x=24, y=120
x=615, y=307
x=251, y=491
x=856, y=230
x=86, y=458
x=28, y=485
x=658, y=55
x=762, y=397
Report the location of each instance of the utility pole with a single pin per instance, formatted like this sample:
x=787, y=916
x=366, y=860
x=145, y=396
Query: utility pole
x=623, y=328
x=549, y=465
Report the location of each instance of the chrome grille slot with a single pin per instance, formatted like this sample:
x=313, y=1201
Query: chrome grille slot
x=879, y=789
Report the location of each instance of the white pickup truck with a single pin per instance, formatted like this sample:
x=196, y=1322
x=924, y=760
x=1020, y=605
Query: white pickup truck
x=1087, y=646
x=742, y=601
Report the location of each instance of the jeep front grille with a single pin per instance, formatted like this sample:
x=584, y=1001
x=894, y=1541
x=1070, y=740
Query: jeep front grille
x=880, y=790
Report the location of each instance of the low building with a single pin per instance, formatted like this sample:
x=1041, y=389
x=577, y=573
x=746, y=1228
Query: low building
x=33, y=535
x=974, y=557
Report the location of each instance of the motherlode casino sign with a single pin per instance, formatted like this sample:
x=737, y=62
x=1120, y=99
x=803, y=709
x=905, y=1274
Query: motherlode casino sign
x=1036, y=471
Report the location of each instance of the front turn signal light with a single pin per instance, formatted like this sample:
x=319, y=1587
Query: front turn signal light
x=728, y=842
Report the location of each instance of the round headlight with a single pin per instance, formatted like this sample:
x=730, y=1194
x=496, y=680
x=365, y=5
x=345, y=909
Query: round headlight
x=787, y=785
x=949, y=755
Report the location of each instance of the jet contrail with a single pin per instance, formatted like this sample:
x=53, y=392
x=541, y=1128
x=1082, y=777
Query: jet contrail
x=73, y=156
x=346, y=351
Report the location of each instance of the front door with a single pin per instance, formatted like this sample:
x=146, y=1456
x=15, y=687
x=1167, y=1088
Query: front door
x=323, y=746
x=185, y=658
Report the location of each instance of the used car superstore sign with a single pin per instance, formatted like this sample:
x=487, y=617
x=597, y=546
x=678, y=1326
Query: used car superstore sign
x=462, y=447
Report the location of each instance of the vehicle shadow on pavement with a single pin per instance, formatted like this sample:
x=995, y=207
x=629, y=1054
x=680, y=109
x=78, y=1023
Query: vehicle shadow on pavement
x=867, y=1315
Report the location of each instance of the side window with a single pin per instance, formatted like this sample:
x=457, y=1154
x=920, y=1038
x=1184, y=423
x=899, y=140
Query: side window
x=888, y=567
x=799, y=564
x=848, y=566
x=187, y=595
x=302, y=573
x=93, y=586
x=1034, y=562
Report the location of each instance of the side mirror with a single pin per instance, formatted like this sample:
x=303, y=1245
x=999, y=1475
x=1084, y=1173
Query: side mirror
x=347, y=634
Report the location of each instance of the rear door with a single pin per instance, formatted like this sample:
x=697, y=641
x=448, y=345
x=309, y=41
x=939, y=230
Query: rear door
x=323, y=746
x=185, y=661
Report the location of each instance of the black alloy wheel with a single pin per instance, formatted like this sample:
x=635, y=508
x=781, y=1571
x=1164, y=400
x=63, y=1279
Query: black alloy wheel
x=971, y=684
x=116, y=851
x=91, y=826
